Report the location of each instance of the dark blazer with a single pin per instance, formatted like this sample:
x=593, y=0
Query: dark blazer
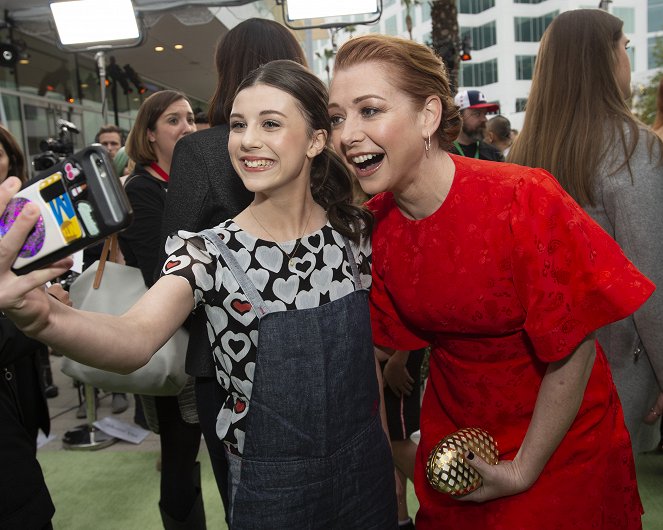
x=24, y=499
x=203, y=191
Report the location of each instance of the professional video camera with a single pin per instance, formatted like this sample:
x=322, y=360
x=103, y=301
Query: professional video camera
x=55, y=149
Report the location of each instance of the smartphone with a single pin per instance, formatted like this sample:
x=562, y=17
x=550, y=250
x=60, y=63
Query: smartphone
x=81, y=201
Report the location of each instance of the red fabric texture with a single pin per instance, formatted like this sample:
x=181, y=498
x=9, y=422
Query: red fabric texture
x=506, y=276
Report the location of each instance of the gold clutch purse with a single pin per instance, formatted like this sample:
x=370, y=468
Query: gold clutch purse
x=446, y=469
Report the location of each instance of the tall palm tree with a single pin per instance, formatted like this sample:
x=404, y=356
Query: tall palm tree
x=445, y=39
x=409, y=4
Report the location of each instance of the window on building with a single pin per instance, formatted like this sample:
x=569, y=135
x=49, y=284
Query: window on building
x=482, y=36
x=627, y=15
x=529, y=29
x=478, y=74
x=470, y=7
x=654, y=15
x=521, y=103
x=525, y=66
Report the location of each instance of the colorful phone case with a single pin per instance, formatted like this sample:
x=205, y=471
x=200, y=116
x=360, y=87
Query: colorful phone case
x=81, y=201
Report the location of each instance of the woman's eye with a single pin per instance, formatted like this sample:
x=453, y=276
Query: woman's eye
x=236, y=125
x=336, y=120
x=271, y=124
x=367, y=112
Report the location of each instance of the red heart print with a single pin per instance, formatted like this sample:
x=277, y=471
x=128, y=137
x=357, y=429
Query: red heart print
x=241, y=307
x=240, y=406
x=172, y=263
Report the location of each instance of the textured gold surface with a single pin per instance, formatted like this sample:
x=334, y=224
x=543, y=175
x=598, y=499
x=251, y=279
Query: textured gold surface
x=447, y=470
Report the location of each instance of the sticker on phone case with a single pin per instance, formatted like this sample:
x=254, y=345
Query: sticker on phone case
x=85, y=210
x=35, y=240
x=77, y=190
x=71, y=171
x=55, y=196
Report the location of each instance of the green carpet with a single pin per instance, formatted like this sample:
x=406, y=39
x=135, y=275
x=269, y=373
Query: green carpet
x=115, y=490
x=120, y=490
x=650, y=483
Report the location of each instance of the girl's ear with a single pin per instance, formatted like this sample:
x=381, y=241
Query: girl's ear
x=318, y=143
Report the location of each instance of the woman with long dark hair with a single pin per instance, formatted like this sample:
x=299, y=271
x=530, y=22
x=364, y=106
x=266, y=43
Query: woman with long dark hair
x=582, y=130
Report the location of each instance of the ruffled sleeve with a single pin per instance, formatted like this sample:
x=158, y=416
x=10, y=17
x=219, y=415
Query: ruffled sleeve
x=189, y=258
x=570, y=275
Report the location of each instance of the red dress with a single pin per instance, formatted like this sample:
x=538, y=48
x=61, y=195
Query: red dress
x=508, y=275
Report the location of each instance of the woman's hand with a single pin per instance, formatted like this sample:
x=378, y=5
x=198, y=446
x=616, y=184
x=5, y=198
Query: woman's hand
x=501, y=480
x=22, y=298
x=656, y=411
x=396, y=375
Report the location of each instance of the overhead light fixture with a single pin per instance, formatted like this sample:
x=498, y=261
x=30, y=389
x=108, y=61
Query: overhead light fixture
x=23, y=58
x=96, y=24
x=178, y=46
x=8, y=54
x=369, y=12
x=159, y=48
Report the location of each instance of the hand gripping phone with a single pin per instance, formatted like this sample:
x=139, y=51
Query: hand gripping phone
x=81, y=202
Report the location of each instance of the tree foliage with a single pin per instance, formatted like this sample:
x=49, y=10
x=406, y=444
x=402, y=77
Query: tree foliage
x=645, y=96
x=444, y=37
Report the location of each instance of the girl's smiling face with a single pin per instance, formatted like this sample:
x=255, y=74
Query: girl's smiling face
x=271, y=145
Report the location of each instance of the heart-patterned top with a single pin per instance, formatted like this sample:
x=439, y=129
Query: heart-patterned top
x=319, y=273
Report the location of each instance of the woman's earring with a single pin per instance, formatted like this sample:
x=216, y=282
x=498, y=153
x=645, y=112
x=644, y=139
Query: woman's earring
x=427, y=144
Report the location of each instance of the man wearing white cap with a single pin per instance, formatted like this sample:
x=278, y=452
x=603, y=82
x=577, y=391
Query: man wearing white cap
x=474, y=109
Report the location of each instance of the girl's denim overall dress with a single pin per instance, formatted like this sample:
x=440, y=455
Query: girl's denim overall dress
x=315, y=454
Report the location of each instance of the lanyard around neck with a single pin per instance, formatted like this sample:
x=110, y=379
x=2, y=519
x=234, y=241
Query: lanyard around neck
x=159, y=171
x=462, y=153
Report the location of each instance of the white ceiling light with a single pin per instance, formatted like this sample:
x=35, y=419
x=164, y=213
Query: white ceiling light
x=95, y=21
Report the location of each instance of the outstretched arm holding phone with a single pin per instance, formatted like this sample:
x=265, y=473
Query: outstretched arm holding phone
x=118, y=343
